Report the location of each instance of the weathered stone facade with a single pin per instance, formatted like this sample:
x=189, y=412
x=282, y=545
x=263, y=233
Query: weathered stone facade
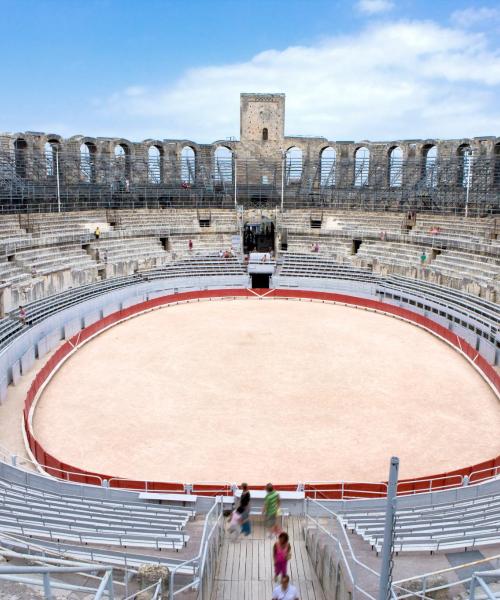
x=398, y=174
x=262, y=137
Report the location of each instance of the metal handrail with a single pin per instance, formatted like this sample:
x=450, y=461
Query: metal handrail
x=16, y=459
x=106, y=581
x=43, y=470
x=157, y=587
x=478, y=579
x=335, y=516
x=199, y=560
x=398, y=584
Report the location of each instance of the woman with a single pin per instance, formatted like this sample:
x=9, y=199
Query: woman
x=282, y=553
x=244, y=508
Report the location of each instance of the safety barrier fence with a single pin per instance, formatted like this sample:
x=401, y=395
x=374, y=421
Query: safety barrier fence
x=452, y=582
x=51, y=578
x=25, y=575
x=362, y=580
x=204, y=563
x=329, y=490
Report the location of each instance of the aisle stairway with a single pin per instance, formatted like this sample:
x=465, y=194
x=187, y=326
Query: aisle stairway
x=245, y=570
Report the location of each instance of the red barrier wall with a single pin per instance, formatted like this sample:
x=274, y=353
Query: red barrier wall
x=333, y=490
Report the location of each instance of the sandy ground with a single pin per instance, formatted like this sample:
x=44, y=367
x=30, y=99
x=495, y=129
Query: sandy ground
x=267, y=390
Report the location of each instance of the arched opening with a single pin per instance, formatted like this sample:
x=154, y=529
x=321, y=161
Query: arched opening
x=223, y=165
x=51, y=150
x=464, y=154
x=122, y=164
x=188, y=166
x=396, y=167
x=429, y=165
x=87, y=162
x=361, y=166
x=293, y=164
x=328, y=160
x=265, y=134
x=20, y=157
x=155, y=160
x=496, y=166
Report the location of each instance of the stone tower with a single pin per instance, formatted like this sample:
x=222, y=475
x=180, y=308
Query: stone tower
x=262, y=122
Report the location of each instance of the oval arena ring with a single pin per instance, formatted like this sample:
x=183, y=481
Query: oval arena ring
x=265, y=389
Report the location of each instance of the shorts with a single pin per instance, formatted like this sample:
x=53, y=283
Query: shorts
x=270, y=520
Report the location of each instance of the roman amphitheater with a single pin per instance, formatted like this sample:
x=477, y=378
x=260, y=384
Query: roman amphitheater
x=177, y=318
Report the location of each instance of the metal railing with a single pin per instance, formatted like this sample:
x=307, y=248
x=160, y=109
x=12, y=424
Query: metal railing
x=478, y=579
x=105, y=588
x=426, y=586
x=204, y=563
x=317, y=490
x=108, y=181
x=363, y=579
x=21, y=574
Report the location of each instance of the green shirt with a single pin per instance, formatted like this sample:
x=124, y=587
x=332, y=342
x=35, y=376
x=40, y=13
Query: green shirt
x=271, y=503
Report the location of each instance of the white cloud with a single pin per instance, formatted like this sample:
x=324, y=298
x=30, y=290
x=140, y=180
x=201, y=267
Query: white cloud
x=394, y=80
x=374, y=7
x=471, y=17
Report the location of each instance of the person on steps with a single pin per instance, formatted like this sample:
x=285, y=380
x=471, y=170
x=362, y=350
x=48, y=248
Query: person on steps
x=234, y=524
x=244, y=506
x=285, y=590
x=282, y=553
x=271, y=509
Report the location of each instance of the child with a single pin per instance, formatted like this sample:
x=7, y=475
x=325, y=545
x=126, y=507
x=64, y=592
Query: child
x=282, y=553
x=234, y=524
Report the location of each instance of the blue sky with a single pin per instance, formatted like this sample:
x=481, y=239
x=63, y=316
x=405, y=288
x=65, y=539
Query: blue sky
x=360, y=69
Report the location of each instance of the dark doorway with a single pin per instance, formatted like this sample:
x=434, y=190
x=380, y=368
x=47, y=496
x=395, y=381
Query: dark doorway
x=355, y=246
x=258, y=237
x=260, y=280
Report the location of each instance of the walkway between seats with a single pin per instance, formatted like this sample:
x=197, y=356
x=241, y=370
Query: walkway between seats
x=245, y=570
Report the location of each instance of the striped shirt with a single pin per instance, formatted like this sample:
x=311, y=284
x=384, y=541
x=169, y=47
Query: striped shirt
x=271, y=503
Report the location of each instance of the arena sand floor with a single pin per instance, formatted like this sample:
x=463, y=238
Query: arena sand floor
x=267, y=390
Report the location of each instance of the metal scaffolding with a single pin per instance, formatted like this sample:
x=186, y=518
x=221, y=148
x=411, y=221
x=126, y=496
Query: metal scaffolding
x=68, y=180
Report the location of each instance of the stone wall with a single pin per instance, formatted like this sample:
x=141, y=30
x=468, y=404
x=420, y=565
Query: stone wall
x=258, y=113
x=328, y=566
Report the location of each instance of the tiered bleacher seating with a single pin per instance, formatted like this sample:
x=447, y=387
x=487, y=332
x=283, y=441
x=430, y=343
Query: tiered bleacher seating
x=50, y=259
x=124, y=256
x=362, y=224
x=467, y=310
x=198, y=266
x=342, y=222
x=389, y=254
x=473, y=273
x=45, y=307
x=177, y=220
x=327, y=245
x=460, y=228
x=136, y=240
x=207, y=244
x=482, y=269
x=11, y=234
x=62, y=226
x=463, y=524
x=34, y=513
x=12, y=274
x=151, y=219
x=311, y=265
